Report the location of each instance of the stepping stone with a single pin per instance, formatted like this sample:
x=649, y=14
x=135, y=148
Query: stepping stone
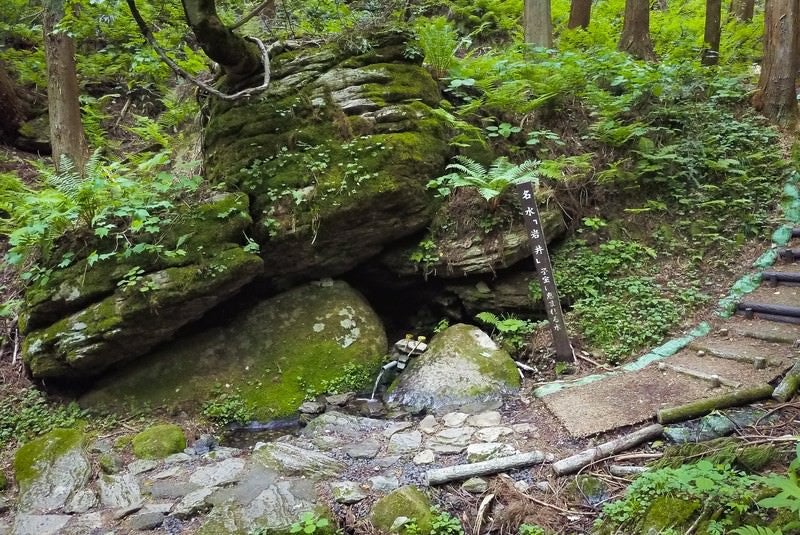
x=140, y=466
x=384, y=483
x=488, y=450
x=396, y=427
x=81, y=501
x=491, y=434
x=26, y=524
x=744, y=349
x=779, y=295
x=145, y=521
x=623, y=399
x=367, y=449
x=769, y=331
x=454, y=419
x=291, y=460
x=193, y=503
x=424, y=457
x=454, y=436
x=475, y=485
x=347, y=492
x=405, y=442
x=119, y=492
x=485, y=419
x=222, y=473
x=429, y=425
x=743, y=373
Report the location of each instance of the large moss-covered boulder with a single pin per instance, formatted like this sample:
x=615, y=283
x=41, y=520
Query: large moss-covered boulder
x=159, y=441
x=269, y=356
x=408, y=502
x=85, y=319
x=336, y=154
x=462, y=369
x=50, y=469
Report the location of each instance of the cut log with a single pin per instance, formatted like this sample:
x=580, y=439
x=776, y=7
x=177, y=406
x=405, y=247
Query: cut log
x=788, y=386
x=572, y=464
x=714, y=380
x=769, y=317
x=440, y=476
x=782, y=276
x=701, y=407
x=766, y=308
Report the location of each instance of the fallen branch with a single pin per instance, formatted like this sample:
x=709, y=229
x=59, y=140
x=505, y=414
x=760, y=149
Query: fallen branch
x=575, y=462
x=439, y=476
x=701, y=407
x=622, y=470
x=525, y=367
x=788, y=386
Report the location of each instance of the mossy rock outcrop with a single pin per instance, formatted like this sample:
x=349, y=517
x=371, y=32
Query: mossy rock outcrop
x=159, y=441
x=408, y=502
x=50, y=469
x=84, y=320
x=462, y=369
x=269, y=356
x=336, y=155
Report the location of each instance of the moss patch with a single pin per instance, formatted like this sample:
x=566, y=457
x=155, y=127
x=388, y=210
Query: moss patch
x=406, y=501
x=45, y=449
x=159, y=441
x=272, y=356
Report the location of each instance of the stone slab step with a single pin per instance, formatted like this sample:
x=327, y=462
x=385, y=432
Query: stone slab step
x=625, y=399
x=781, y=295
x=743, y=373
x=744, y=349
x=768, y=331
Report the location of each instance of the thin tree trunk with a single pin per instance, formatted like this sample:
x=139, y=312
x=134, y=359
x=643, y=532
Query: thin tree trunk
x=776, y=96
x=743, y=9
x=580, y=12
x=662, y=5
x=66, y=130
x=538, y=23
x=636, y=30
x=239, y=58
x=713, y=32
x=11, y=115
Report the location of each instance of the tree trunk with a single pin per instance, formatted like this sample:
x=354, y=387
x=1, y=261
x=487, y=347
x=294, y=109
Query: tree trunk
x=636, y=30
x=713, y=32
x=11, y=115
x=66, y=130
x=580, y=12
x=239, y=58
x=538, y=23
x=743, y=9
x=776, y=96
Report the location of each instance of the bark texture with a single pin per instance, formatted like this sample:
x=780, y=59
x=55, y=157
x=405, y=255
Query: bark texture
x=635, y=38
x=580, y=13
x=743, y=9
x=66, y=130
x=713, y=32
x=538, y=23
x=239, y=58
x=776, y=96
x=11, y=115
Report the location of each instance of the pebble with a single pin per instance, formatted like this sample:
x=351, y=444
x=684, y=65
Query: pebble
x=140, y=466
x=475, y=485
x=424, y=457
x=384, y=483
x=340, y=400
x=312, y=407
x=522, y=485
x=145, y=521
x=347, y=492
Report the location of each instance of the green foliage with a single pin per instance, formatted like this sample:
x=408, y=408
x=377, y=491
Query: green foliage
x=352, y=378
x=118, y=210
x=227, y=407
x=730, y=490
x=529, y=529
x=443, y=523
x=439, y=42
x=756, y=530
x=788, y=497
x=491, y=183
x=309, y=523
x=28, y=414
x=509, y=331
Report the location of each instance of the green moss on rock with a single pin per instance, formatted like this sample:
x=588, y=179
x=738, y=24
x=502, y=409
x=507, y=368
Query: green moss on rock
x=30, y=458
x=271, y=355
x=159, y=441
x=409, y=502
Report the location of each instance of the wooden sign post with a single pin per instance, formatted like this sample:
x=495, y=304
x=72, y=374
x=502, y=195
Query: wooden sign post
x=544, y=270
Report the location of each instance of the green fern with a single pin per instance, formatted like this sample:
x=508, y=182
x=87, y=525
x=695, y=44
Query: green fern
x=491, y=183
x=756, y=530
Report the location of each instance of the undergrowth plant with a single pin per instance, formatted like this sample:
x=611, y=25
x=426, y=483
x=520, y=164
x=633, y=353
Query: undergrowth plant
x=27, y=414
x=511, y=332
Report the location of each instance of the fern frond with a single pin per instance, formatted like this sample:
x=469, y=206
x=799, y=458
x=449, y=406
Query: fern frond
x=488, y=318
x=756, y=530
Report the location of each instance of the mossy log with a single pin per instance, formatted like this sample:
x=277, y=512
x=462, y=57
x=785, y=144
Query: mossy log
x=572, y=464
x=440, y=476
x=701, y=407
x=788, y=386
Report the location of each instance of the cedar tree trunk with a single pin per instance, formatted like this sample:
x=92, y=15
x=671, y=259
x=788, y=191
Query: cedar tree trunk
x=776, y=96
x=11, y=115
x=580, y=12
x=636, y=30
x=66, y=130
x=538, y=23
x=743, y=9
x=713, y=32
x=239, y=58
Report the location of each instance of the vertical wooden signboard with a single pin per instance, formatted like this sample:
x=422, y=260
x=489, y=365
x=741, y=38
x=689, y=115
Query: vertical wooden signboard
x=544, y=271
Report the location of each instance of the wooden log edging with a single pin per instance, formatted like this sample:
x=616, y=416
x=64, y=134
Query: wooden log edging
x=574, y=463
x=439, y=476
x=701, y=407
x=788, y=386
